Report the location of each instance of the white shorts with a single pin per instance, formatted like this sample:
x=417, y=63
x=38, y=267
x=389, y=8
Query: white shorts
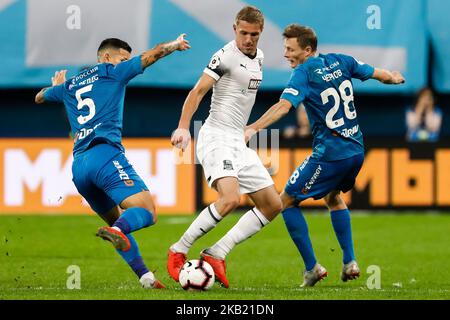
x=222, y=154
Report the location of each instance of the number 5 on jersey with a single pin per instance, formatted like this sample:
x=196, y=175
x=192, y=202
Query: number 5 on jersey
x=85, y=102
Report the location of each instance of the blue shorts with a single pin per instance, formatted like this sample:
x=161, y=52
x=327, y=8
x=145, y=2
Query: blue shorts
x=315, y=178
x=104, y=177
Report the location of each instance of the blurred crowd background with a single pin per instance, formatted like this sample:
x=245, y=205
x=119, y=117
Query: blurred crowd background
x=39, y=37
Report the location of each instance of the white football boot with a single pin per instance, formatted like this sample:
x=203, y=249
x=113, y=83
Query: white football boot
x=310, y=278
x=350, y=271
x=148, y=281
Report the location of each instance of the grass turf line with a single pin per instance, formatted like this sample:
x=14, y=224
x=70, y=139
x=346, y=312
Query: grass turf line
x=411, y=250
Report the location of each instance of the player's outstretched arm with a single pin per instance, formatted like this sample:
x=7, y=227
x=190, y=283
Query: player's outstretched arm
x=57, y=79
x=163, y=49
x=40, y=96
x=388, y=77
x=181, y=136
x=276, y=112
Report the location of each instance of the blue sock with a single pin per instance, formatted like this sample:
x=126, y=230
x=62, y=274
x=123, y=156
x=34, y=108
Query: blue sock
x=343, y=229
x=134, y=219
x=133, y=257
x=298, y=230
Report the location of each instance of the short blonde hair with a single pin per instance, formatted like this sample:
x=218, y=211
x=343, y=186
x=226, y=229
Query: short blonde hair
x=250, y=14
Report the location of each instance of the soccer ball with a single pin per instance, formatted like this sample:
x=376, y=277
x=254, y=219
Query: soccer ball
x=196, y=275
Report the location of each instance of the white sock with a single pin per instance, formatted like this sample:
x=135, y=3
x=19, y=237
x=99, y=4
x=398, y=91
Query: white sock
x=147, y=280
x=206, y=220
x=249, y=224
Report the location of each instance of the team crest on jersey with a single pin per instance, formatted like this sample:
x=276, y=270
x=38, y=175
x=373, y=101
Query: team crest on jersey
x=227, y=165
x=214, y=63
x=253, y=84
x=260, y=64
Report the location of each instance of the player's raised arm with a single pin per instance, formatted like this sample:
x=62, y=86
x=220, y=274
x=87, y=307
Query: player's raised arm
x=40, y=96
x=388, y=77
x=58, y=79
x=163, y=49
x=181, y=136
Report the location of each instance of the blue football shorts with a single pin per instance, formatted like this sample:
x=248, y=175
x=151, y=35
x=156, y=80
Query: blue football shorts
x=315, y=178
x=104, y=177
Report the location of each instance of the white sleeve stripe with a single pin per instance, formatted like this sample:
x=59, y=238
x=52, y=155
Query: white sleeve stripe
x=292, y=91
x=211, y=73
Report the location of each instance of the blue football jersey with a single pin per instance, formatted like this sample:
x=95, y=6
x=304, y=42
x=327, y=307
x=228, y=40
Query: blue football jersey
x=324, y=85
x=94, y=102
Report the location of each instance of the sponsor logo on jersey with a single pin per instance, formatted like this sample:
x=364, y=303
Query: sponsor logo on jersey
x=327, y=68
x=292, y=91
x=85, y=73
x=83, y=133
x=88, y=81
x=122, y=174
x=227, y=165
x=254, y=84
x=350, y=132
x=313, y=180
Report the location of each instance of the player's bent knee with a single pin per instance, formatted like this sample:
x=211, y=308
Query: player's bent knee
x=155, y=217
x=143, y=200
x=270, y=212
x=331, y=202
x=231, y=202
x=277, y=206
x=148, y=205
x=274, y=207
x=286, y=201
x=334, y=201
x=151, y=209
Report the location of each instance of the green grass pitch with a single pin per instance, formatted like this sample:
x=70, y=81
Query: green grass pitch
x=411, y=250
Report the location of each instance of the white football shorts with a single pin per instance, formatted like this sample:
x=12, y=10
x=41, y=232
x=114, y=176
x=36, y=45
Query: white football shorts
x=222, y=154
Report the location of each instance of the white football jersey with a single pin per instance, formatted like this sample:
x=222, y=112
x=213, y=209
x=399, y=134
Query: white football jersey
x=237, y=81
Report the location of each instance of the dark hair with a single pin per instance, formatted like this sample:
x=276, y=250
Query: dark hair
x=250, y=14
x=115, y=44
x=305, y=35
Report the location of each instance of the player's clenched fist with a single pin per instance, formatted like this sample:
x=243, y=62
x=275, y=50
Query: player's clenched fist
x=180, y=138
